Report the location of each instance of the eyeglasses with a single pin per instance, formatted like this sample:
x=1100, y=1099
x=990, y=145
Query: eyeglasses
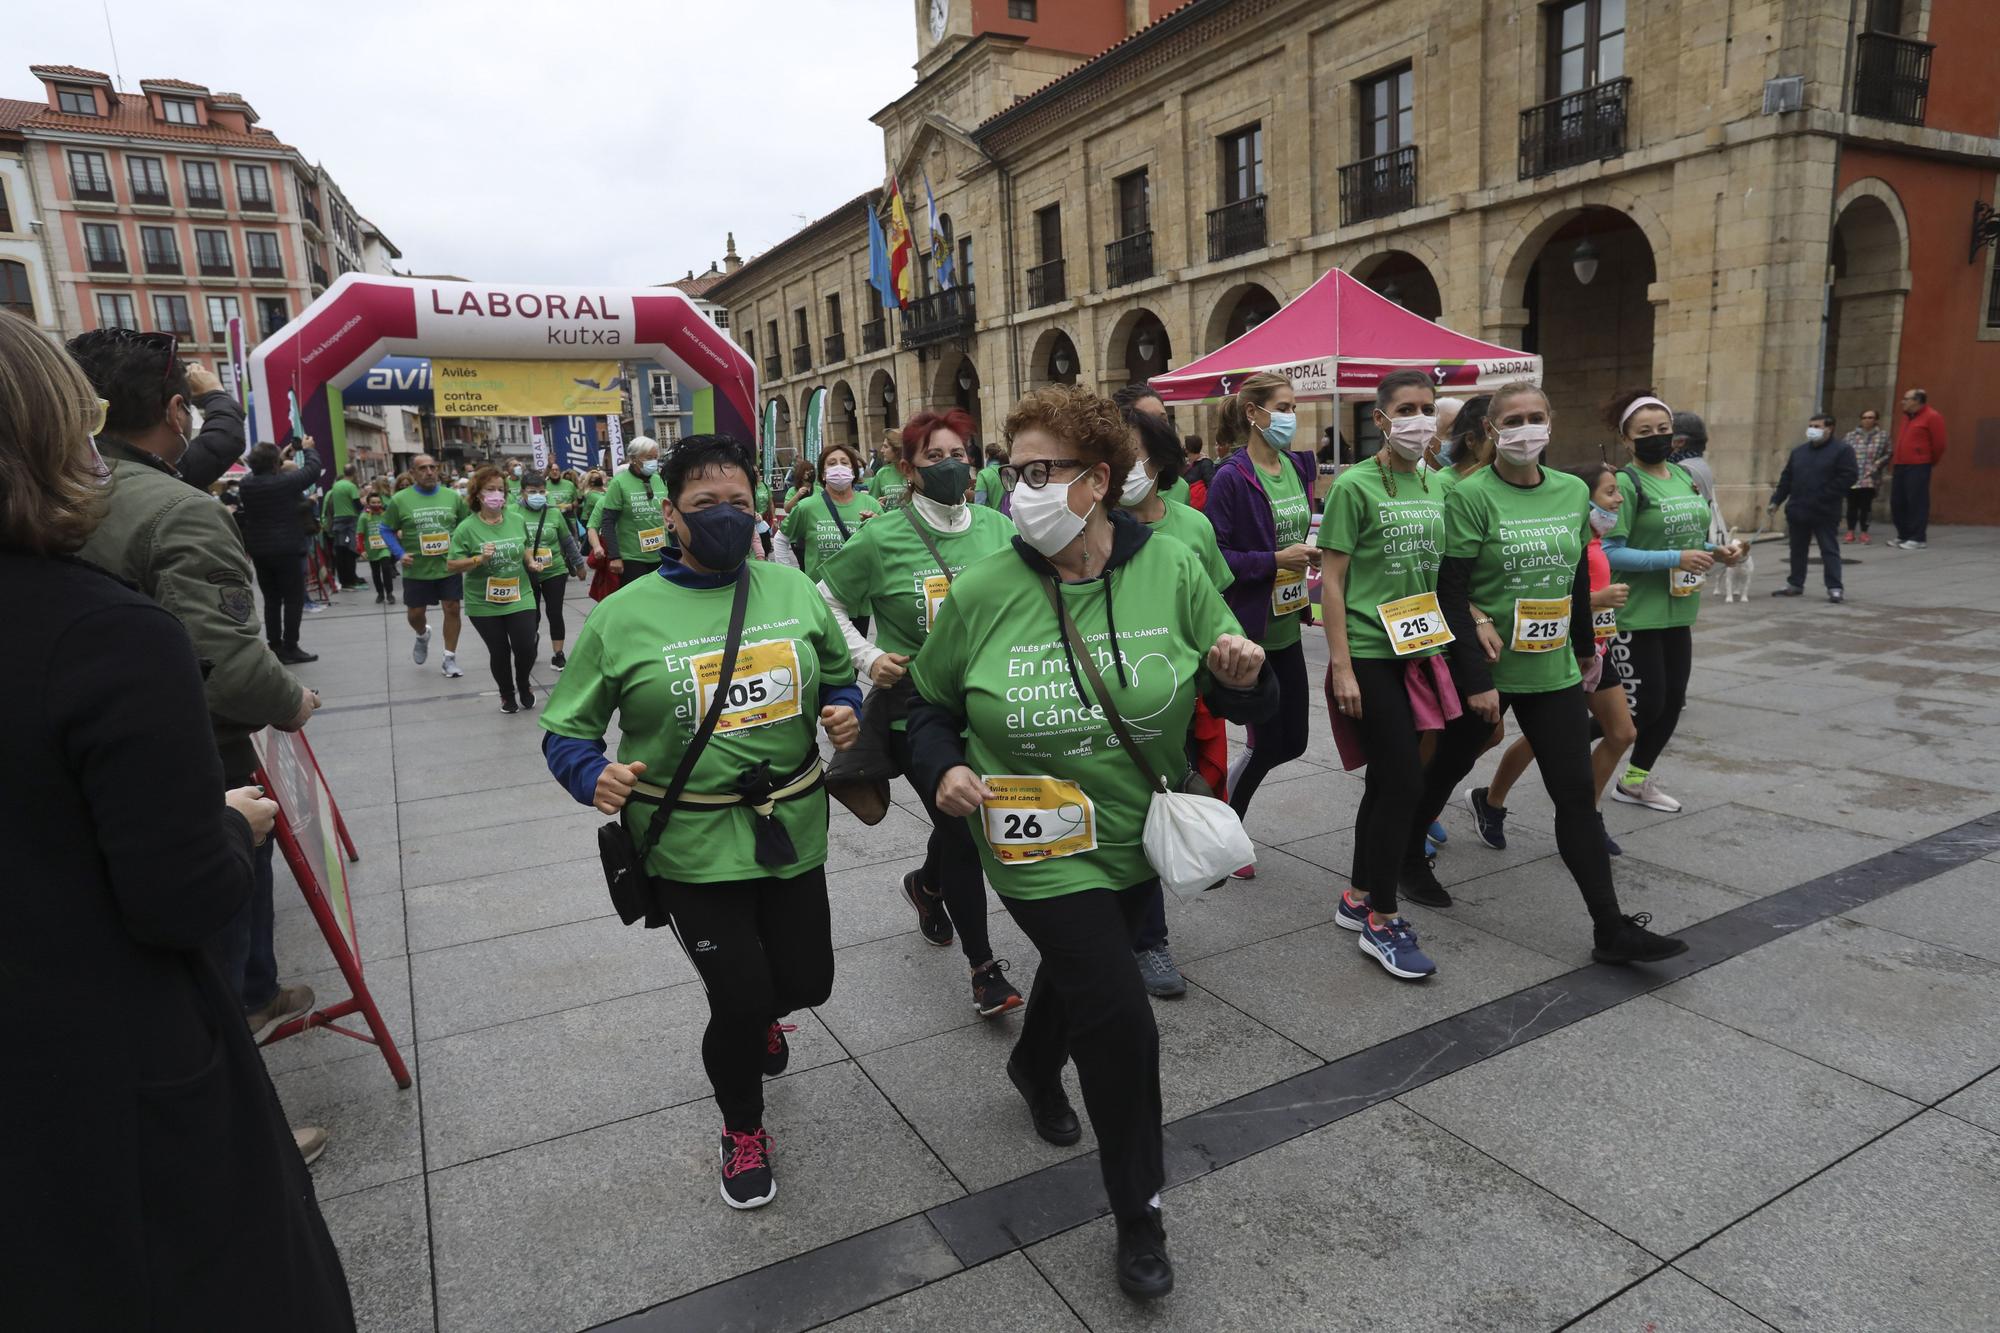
x=1036, y=474
x=159, y=342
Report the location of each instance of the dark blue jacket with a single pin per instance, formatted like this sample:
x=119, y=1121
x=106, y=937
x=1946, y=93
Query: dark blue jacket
x=1815, y=480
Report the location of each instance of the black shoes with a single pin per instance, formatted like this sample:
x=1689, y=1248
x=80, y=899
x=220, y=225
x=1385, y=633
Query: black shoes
x=1055, y=1119
x=1419, y=884
x=777, y=1051
x=1630, y=942
x=1788, y=591
x=292, y=655
x=527, y=697
x=1144, y=1270
x=932, y=923
x=507, y=704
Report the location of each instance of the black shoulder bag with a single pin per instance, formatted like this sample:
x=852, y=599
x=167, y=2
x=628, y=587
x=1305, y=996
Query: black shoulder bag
x=838, y=521
x=625, y=864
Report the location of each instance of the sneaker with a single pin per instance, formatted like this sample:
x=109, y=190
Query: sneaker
x=1916, y=546
x=777, y=1051
x=1352, y=914
x=1244, y=872
x=290, y=1002
x=421, y=649
x=1393, y=944
x=1143, y=1267
x=1055, y=1119
x=1648, y=794
x=559, y=661
x=1437, y=833
x=1611, y=847
x=1836, y=596
x=1419, y=883
x=507, y=705
x=1866, y=540
x=311, y=1141
x=1430, y=850
x=992, y=993
x=1160, y=973
x=1630, y=942
x=932, y=923
x=1847, y=539
x=1788, y=591
x=451, y=666
x=527, y=697
x=1489, y=821
x=747, y=1181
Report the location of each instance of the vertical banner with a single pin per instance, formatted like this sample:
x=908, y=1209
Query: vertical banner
x=770, y=433
x=336, y=420
x=615, y=442
x=234, y=382
x=815, y=433
x=572, y=442
x=540, y=448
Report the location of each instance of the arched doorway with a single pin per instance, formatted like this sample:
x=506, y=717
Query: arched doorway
x=879, y=412
x=787, y=447
x=1864, y=331
x=1139, y=348
x=1240, y=310
x=1404, y=279
x=843, y=420
x=956, y=384
x=1054, y=360
x=1590, y=317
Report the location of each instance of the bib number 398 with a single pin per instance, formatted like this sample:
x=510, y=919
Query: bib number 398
x=1414, y=624
x=1541, y=625
x=1031, y=818
x=763, y=689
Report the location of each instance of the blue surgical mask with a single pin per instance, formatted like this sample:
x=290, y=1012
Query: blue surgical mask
x=535, y=501
x=1602, y=520
x=1283, y=426
x=648, y=468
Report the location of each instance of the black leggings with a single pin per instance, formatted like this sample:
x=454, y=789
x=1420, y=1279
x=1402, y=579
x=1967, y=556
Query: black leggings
x=282, y=579
x=1391, y=787
x=1860, y=501
x=549, y=600
x=764, y=949
x=383, y=572
x=951, y=868
x=1557, y=725
x=1653, y=666
x=1089, y=1002
x=1280, y=740
x=512, y=635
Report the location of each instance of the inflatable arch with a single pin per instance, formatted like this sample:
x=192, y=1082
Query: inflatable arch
x=362, y=318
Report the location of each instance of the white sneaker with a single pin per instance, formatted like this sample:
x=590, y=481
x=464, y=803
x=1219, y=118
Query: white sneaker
x=421, y=648
x=451, y=669
x=1916, y=546
x=1647, y=794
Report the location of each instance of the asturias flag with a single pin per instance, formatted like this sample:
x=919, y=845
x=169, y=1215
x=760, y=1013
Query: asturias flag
x=902, y=246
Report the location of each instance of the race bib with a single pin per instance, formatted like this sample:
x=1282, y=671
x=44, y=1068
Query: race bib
x=1684, y=582
x=1541, y=625
x=1414, y=624
x=1604, y=624
x=544, y=553
x=652, y=539
x=503, y=590
x=433, y=543
x=936, y=588
x=1288, y=592
x=375, y=542
x=1037, y=819
x=764, y=688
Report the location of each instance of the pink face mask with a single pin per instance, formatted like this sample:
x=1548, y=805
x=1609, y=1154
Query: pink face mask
x=492, y=499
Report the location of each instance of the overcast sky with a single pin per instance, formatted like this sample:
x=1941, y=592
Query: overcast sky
x=577, y=142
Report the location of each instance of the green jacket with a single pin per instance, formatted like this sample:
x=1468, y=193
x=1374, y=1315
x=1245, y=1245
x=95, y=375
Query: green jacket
x=181, y=548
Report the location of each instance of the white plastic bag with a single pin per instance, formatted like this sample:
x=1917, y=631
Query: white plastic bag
x=1193, y=841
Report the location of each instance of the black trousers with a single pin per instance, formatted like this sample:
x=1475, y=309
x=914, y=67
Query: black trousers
x=549, y=603
x=1910, y=501
x=1385, y=824
x=1653, y=666
x=764, y=949
x=1860, y=503
x=1089, y=1003
x=951, y=867
x=1283, y=738
x=383, y=573
x=636, y=570
x=1557, y=725
x=341, y=538
x=510, y=647
x=282, y=580
x=1803, y=533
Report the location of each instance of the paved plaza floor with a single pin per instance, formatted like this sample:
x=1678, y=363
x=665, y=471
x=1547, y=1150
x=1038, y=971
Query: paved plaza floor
x=1794, y=1126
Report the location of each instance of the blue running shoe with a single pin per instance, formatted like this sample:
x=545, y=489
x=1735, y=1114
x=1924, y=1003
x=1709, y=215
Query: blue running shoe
x=1437, y=833
x=1611, y=847
x=1353, y=913
x=1430, y=850
x=1393, y=944
x=1489, y=820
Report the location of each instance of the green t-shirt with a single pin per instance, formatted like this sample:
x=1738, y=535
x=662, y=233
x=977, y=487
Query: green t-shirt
x=996, y=659
x=813, y=534
x=1392, y=544
x=1525, y=544
x=1180, y=493
x=370, y=527
x=343, y=500
x=763, y=499
x=886, y=573
x=635, y=663
x=562, y=495
x=545, y=528
x=1293, y=513
x=1191, y=528
x=888, y=486
x=504, y=584
x=586, y=508
x=424, y=524
x=986, y=488
x=642, y=526
x=1675, y=518
x=1444, y=480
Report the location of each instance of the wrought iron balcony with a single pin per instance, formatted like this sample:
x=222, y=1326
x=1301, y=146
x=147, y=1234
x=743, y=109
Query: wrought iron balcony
x=87, y=190
x=1045, y=283
x=267, y=270
x=1377, y=186
x=204, y=199
x=153, y=198
x=217, y=269
x=163, y=263
x=1237, y=229
x=1129, y=259
x=833, y=348
x=106, y=263
x=1892, y=77
x=309, y=209
x=874, y=336
x=255, y=203
x=802, y=359
x=774, y=366
x=1579, y=127
x=937, y=318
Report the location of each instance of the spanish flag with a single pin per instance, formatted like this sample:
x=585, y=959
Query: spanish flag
x=902, y=246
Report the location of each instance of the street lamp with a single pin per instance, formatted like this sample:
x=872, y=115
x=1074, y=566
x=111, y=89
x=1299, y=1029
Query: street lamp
x=889, y=392
x=1583, y=261
x=965, y=376
x=1063, y=362
x=1392, y=291
x=847, y=400
x=1147, y=346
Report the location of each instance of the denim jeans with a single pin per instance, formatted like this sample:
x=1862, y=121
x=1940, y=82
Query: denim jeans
x=243, y=950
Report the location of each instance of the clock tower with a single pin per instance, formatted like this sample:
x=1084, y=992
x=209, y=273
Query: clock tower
x=942, y=25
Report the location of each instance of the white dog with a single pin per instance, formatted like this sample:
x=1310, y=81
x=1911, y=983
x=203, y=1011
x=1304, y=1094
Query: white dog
x=1736, y=577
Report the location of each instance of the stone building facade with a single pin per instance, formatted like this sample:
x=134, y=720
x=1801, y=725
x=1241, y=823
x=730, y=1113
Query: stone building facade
x=1755, y=208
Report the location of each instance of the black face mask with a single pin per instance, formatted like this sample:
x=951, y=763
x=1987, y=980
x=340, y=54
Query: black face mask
x=945, y=481
x=1653, y=448
x=719, y=536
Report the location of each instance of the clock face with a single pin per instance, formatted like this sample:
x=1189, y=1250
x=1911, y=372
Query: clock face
x=940, y=11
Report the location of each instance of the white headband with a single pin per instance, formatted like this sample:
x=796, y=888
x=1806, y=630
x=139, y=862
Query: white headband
x=1638, y=403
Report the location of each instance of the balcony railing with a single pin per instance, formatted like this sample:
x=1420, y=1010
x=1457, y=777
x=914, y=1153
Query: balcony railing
x=1129, y=259
x=153, y=198
x=204, y=199
x=1892, y=77
x=221, y=268
x=100, y=193
x=774, y=366
x=874, y=336
x=255, y=203
x=309, y=209
x=1236, y=229
x=1045, y=283
x=318, y=275
x=103, y=263
x=802, y=359
x=833, y=348
x=157, y=263
x=266, y=270
x=1377, y=186
x=1579, y=127
x=937, y=318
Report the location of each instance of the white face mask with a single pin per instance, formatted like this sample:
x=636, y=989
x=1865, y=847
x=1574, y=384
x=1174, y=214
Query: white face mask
x=1815, y=433
x=1044, y=517
x=1411, y=436
x=1522, y=444
x=1138, y=486
x=840, y=478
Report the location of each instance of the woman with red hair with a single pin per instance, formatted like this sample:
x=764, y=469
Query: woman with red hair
x=897, y=570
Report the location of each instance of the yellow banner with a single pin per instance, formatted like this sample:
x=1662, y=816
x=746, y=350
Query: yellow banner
x=526, y=388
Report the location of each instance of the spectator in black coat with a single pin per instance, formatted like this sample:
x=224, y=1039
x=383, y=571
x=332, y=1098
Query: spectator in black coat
x=149, y=1178
x=1812, y=487
x=219, y=442
x=278, y=527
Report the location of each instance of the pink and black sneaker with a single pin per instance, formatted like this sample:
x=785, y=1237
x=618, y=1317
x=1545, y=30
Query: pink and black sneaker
x=747, y=1181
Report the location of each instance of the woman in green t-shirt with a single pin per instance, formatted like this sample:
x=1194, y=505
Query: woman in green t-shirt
x=1514, y=539
x=491, y=550
x=1662, y=550
x=823, y=521
x=631, y=528
x=550, y=541
x=1008, y=736
x=898, y=568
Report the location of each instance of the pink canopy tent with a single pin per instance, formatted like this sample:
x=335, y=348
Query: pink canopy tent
x=1340, y=338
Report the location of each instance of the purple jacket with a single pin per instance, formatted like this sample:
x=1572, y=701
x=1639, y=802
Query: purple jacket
x=1248, y=535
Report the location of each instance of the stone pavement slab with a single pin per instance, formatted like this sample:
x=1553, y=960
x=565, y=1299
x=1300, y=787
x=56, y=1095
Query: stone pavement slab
x=511, y=902
x=1959, y=909
x=383, y=1235
x=1979, y=1103
x=903, y=988
x=1538, y=906
x=1752, y=851
x=1006, y=1294
x=1669, y=1302
x=372, y=1125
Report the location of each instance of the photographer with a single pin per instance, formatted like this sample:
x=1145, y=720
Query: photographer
x=219, y=442
x=277, y=536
